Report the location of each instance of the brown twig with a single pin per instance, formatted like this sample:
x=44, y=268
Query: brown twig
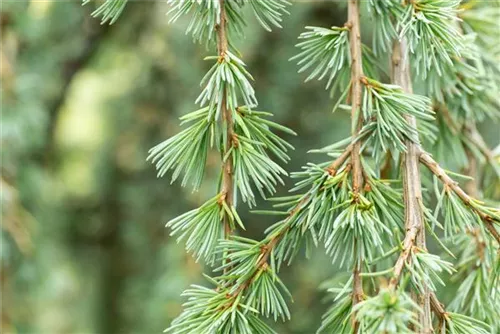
x=227, y=168
x=437, y=306
x=356, y=92
x=408, y=243
x=337, y=163
x=434, y=302
x=412, y=191
x=267, y=250
x=274, y=241
x=438, y=310
x=357, y=122
x=427, y=160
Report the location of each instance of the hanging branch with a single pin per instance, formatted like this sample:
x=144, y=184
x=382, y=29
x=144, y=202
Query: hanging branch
x=487, y=215
x=415, y=235
x=356, y=125
x=268, y=245
x=227, y=116
x=343, y=203
x=414, y=216
x=358, y=218
x=464, y=98
x=273, y=241
x=356, y=92
x=249, y=281
x=423, y=268
x=248, y=286
x=226, y=120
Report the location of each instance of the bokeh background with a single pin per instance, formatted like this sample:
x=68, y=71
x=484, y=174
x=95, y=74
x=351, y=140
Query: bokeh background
x=83, y=244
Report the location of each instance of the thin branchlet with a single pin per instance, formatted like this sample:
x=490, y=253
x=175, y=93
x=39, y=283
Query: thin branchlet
x=227, y=115
x=414, y=216
x=272, y=243
x=357, y=123
x=487, y=217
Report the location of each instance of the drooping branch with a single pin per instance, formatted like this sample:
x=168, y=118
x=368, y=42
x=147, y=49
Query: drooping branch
x=337, y=163
x=412, y=192
x=356, y=92
x=437, y=306
x=271, y=244
x=439, y=310
x=427, y=160
x=408, y=243
x=227, y=168
x=356, y=125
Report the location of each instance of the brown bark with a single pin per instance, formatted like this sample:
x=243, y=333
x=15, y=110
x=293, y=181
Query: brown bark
x=437, y=170
x=412, y=191
x=356, y=119
x=227, y=168
x=439, y=311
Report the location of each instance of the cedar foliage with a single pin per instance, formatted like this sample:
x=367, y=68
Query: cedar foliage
x=365, y=203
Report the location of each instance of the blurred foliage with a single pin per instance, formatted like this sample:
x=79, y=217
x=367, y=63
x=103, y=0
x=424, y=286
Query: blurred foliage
x=83, y=244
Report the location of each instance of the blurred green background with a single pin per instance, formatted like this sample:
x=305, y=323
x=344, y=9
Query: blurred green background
x=83, y=245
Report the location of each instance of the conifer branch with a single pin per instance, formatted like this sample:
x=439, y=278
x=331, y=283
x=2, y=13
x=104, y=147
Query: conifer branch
x=337, y=163
x=345, y=203
x=269, y=245
x=227, y=117
x=437, y=307
x=455, y=323
x=470, y=101
x=412, y=192
x=487, y=215
x=356, y=125
x=234, y=294
x=464, y=95
x=226, y=120
x=244, y=139
x=356, y=92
